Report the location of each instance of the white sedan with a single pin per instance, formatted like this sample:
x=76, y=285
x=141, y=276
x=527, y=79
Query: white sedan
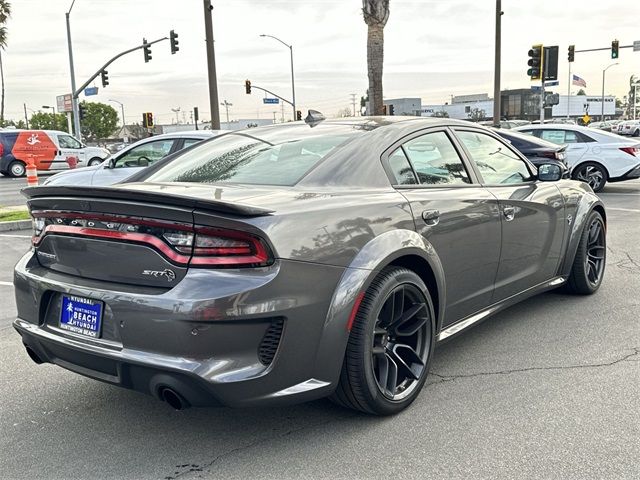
x=131, y=159
x=593, y=156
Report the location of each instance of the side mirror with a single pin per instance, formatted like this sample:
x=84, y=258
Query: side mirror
x=550, y=172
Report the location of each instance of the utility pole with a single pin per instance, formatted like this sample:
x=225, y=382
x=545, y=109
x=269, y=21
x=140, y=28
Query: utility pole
x=353, y=103
x=496, y=71
x=74, y=99
x=226, y=105
x=603, y=72
x=26, y=119
x=211, y=67
x=176, y=111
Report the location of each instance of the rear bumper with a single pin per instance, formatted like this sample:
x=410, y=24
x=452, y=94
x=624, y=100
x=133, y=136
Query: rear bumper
x=629, y=175
x=204, y=338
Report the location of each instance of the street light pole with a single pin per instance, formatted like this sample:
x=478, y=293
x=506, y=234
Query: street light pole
x=74, y=99
x=52, y=108
x=211, y=66
x=603, y=72
x=496, y=68
x=124, y=122
x=226, y=105
x=293, y=82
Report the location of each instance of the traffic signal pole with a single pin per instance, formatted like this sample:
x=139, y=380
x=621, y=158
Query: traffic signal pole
x=496, y=72
x=74, y=98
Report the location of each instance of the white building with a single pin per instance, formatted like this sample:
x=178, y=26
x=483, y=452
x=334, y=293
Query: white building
x=578, y=105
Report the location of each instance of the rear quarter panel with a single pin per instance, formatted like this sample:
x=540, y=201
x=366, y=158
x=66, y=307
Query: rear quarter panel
x=38, y=144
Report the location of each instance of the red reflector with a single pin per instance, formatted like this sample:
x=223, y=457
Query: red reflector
x=354, y=311
x=631, y=150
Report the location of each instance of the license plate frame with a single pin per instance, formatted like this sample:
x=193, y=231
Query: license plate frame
x=81, y=315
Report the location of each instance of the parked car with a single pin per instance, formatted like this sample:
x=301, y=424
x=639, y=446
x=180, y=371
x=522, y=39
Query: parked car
x=49, y=149
x=604, y=126
x=286, y=263
x=593, y=156
x=130, y=159
x=538, y=151
x=505, y=123
x=630, y=127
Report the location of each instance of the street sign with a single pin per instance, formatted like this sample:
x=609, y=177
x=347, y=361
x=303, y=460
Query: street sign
x=586, y=118
x=636, y=46
x=552, y=84
x=91, y=91
x=64, y=103
x=536, y=88
x=271, y=100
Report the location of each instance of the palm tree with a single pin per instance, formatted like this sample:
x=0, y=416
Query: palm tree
x=376, y=14
x=5, y=13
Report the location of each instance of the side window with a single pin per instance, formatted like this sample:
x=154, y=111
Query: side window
x=496, y=162
x=190, y=141
x=435, y=160
x=67, y=141
x=144, y=155
x=560, y=136
x=401, y=169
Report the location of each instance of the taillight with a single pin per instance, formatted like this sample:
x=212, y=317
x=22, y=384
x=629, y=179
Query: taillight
x=631, y=150
x=180, y=243
x=561, y=156
x=549, y=154
x=1, y=149
x=228, y=248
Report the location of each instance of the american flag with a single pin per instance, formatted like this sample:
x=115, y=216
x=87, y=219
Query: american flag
x=579, y=81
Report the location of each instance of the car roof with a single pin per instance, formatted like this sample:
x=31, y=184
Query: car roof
x=188, y=133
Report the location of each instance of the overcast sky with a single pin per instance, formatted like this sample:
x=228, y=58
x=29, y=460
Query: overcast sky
x=433, y=49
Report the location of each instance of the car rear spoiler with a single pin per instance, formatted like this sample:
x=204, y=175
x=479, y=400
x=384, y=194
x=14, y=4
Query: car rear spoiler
x=121, y=193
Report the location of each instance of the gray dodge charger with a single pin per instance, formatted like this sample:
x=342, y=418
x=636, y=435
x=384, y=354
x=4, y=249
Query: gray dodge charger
x=287, y=263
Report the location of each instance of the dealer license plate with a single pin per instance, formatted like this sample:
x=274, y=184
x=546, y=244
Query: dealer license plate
x=81, y=315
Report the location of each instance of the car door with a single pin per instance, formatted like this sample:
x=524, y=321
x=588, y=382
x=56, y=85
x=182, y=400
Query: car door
x=131, y=160
x=532, y=213
x=577, y=144
x=68, y=147
x=454, y=213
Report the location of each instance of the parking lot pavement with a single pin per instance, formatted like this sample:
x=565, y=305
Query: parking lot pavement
x=549, y=388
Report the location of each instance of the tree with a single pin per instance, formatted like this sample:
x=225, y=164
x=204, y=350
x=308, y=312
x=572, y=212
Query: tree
x=581, y=92
x=476, y=114
x=5, y=13
x=49, y=121
x=632, y=95
x=100, y=120
x=441, y=114
x=344, y=112
x=376, y=14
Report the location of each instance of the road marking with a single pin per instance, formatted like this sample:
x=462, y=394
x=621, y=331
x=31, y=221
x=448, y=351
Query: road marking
x=14, y=236
x=624, y=209
x=607, y=193
x=6, y=284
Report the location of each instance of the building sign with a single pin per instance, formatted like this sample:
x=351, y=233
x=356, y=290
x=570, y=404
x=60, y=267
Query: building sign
x=64, y=103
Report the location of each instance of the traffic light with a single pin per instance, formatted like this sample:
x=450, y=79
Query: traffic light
x=247, y=87
x=105, y=78
x=147, y=50
x=173, y=38
x=572, y=53
x=615, y=45
x=391, y=109
x=147, y=120
x=82, y=111
x=298, y=115
x=535, y=62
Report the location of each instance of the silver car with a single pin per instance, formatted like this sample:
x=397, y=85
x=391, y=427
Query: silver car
x=131, y=159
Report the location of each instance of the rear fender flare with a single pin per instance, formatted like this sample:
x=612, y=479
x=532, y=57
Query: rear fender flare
x=367, y=264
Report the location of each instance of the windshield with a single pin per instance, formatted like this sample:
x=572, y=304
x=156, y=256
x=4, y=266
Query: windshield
x=279, y=157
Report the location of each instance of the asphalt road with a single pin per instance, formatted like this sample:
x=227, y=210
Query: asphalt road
x=547, y=389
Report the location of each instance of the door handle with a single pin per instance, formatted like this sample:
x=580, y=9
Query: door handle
x=509, y=213
x=431, y=217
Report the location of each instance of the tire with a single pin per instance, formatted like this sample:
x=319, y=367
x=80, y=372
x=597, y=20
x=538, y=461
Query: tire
x=590, y=258
x=17, y=168
x=591, y=173
x=95, y=161
x=375, y=347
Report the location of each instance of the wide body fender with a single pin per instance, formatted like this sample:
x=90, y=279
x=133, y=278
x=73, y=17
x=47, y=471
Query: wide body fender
x=367, y=264
x=580, y=201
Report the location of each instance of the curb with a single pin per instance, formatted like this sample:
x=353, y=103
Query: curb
x=15, y=225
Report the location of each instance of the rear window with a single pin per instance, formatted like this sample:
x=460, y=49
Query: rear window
x=240, y=158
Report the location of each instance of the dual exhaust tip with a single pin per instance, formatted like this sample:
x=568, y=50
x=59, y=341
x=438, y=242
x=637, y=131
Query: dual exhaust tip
x=166, y=394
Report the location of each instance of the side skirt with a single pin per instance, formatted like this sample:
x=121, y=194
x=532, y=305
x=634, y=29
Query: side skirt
x=496, y=307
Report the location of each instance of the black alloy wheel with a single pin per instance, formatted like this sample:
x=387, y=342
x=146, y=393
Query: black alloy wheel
x=401, y=340
x=593, y=174
x=589, y=264
x=390, y=345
